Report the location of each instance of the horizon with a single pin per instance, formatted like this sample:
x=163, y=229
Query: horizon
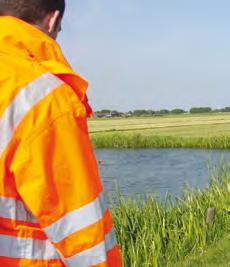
x=161, y=109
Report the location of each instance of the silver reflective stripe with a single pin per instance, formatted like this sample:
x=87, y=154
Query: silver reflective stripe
x=77, y=220
x=95, y=255
x=29, y=96
x=14, y=209
x=26, y=248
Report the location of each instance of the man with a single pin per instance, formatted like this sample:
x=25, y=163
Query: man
x=52, y=207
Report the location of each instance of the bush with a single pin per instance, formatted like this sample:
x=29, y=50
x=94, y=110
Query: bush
x=200, y=110
x=178, y=111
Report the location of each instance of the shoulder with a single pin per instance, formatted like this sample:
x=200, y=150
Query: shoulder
x=38, y=103
x=32, y=100
x=47, y=99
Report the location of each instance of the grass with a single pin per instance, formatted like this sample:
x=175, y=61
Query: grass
x=190, y=131
x=166, y=233
x=121, y=140
x=216, y=255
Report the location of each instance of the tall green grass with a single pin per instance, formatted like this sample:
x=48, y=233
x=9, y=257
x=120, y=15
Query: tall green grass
x=126, y=140
x=153, y=233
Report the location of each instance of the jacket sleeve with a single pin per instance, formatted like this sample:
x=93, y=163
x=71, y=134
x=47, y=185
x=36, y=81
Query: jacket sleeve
x=58, y=181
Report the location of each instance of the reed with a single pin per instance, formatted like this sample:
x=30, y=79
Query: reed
x=161, y=233
x=129, y=140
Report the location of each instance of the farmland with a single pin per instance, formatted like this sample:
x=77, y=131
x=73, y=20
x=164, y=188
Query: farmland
x=194, y=131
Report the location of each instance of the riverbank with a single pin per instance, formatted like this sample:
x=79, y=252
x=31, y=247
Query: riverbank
x=160, y=234
x=141, y=140
x=181, y=131
x=216, y=255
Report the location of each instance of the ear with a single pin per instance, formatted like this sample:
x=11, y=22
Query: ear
x=52, y=20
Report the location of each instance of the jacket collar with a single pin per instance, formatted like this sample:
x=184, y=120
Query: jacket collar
x=28, y=40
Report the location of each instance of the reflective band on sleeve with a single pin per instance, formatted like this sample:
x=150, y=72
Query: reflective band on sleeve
x=26, y=248
x=15, y=209
x=77, y=220
x=28, y=97
x=95, y=255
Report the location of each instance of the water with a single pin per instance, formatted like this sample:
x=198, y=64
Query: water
x=158, y=171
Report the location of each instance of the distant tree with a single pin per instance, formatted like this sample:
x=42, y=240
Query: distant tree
x=139, y=112
x=150, y=112
x=196, y=110
x=116, y=113
x=105, y=111
x=177, y=111
x=163, y=111
x=226, y=109
x=217, y=110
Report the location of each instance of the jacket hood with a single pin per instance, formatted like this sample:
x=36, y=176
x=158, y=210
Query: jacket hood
x=26, y=40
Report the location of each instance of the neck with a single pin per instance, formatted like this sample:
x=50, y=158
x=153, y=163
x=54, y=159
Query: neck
x=41, y=28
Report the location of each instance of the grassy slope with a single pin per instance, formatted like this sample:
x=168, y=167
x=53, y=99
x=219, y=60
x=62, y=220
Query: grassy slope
x=216, y=255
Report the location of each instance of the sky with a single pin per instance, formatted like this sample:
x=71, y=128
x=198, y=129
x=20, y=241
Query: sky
x=149, y=54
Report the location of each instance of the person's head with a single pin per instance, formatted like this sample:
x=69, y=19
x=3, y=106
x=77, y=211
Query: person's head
x=45, y=14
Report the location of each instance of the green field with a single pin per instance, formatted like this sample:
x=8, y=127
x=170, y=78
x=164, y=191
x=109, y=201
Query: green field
x=195, y=131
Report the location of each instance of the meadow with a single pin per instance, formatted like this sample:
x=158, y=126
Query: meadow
x=176, y=232
x=187, y=131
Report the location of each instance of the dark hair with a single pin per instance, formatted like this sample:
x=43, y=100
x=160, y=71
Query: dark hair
x=31, y=11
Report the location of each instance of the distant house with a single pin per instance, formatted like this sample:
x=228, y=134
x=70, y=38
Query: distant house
x=99, y=114
x=107, y=114
x=126, y=115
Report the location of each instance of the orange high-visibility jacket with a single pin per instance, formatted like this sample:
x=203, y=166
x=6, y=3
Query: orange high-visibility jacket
x=52, y=207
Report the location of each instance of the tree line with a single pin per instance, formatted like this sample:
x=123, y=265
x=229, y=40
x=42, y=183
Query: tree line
x=149, y=112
